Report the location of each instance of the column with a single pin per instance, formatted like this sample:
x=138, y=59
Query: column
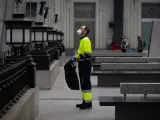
x=139, y=17
x=102, y=31
x=135, y=22
x=127, y=19
x=110, y=18
x=47, y=9
x=58, y=11
x=132, y=21
x=1, y=9
x=50, y=13
x=64, y=5
x=67, y=23
x=3, y=15
x=1, y=22
x=97, y=25
x=118, y=20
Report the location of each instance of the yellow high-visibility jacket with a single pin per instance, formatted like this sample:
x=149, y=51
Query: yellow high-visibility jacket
x=85, y=48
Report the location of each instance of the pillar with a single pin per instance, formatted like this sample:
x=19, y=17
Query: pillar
x=118, y=20
x=6, y=9
x=135, y=20
x=132, y=21
x=51, y=13
x=127, y=19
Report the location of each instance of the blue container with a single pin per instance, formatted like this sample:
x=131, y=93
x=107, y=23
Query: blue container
x=132, y=49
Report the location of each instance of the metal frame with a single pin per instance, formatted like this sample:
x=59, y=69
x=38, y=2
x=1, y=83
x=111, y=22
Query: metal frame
x=23, y=25
x=50, y=32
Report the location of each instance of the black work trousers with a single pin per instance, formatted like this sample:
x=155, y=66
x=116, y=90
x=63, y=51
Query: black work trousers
x=84, y=75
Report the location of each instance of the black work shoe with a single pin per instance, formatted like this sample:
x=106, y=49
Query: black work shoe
x=78, y=105
x=85, y=106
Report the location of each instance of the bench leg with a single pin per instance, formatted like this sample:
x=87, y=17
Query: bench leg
x=138, y=112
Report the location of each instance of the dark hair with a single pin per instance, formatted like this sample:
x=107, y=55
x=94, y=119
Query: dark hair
x=87, y=29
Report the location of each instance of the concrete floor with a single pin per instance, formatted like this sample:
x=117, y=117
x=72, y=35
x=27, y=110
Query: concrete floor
x=59, y=103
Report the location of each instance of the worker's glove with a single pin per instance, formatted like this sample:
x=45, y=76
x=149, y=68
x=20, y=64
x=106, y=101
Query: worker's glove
x=73, y=59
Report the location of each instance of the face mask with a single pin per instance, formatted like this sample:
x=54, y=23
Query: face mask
x=79, y=32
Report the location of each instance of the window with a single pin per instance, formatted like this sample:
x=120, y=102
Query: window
x=84, y=10
x=150, y=10
x=31, y=7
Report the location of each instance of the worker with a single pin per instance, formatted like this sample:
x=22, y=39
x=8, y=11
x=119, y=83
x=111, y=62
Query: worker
x=84, y=65
x=124, y=44
x=141, y=44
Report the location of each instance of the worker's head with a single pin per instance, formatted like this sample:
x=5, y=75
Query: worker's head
x=139, y=38
x=83, y=31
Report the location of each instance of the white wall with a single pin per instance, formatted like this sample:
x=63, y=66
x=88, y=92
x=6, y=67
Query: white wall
x=2, y=7
x=130, y=21
x=104, y=14
x=51, y=13
x=1, y=19
x=6, y=10
x=58, y=9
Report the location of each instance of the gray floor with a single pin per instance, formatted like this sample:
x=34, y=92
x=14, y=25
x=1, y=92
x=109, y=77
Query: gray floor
x=59, y=103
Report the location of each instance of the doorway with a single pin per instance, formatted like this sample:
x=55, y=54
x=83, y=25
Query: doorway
x=150, y=13
x=146, y=33
x=84, y=14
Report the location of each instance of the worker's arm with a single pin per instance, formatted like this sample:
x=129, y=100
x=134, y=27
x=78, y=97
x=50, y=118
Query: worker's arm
x=87, y=48
x=80, y=50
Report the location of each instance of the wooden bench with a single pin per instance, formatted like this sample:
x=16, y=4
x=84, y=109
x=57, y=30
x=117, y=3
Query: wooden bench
x=133, y=107
x=96, y=62
x=112, y=74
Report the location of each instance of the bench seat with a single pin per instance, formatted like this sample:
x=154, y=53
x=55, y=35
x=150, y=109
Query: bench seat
x=113, y=79
x=96, y=62
x=120, y=100
x=111, y=53
x=125, y=59
x=112, y=74
x=140, y=88
x=123, y=72
x=116, y=54
x=133, y=108
x=130, y=66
